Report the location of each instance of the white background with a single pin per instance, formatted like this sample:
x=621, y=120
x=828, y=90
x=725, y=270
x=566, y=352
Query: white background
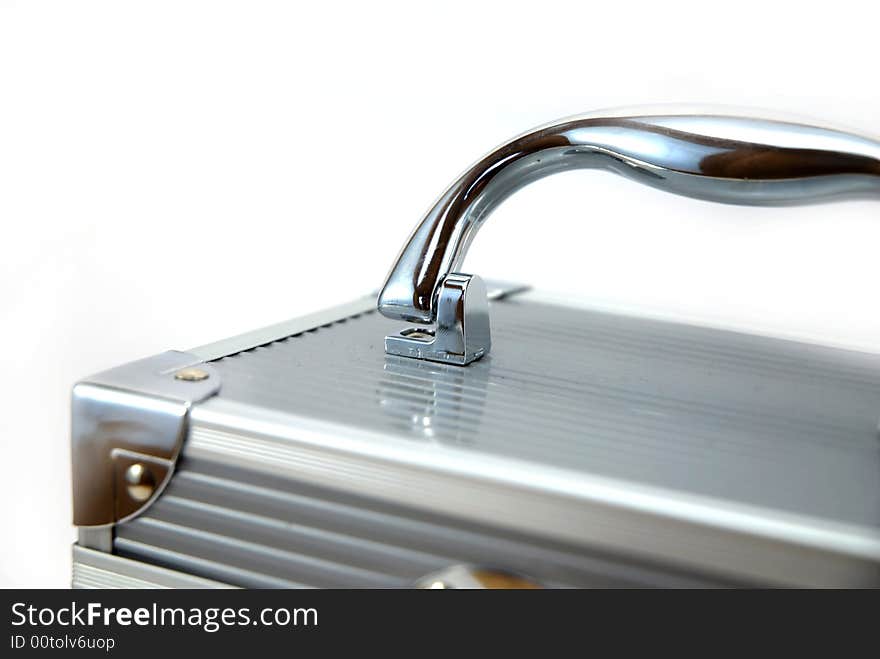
x=172, y=173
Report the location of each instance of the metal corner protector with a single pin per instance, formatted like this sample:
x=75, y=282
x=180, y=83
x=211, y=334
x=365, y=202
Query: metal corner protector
x=127, y=428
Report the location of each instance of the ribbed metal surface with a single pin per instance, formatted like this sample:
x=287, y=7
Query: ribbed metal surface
x=742, y=418
x=96, y=569
x=88, y=576
x=251, y=530
x=587, y=449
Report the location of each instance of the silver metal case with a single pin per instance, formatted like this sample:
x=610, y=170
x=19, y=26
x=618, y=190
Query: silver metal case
x=452, y=429
x=588, y=449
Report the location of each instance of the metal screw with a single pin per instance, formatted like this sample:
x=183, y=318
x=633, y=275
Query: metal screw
x=192, y=374
x=140, y=482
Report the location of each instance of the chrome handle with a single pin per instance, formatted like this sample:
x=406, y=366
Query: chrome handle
x=715, y=155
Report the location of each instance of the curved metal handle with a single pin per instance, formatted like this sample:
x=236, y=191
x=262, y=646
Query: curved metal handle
x=718, y=156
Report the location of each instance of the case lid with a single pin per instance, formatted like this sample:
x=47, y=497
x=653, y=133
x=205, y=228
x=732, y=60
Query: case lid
x=751, y=456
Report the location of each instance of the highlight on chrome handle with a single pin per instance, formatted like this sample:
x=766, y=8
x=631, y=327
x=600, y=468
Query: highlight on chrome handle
x=715, y=155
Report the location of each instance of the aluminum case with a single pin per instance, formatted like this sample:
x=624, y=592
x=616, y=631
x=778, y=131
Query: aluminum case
x=588, y=449
x=555, y=444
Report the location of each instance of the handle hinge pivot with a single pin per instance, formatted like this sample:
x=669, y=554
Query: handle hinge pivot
x=460, y=335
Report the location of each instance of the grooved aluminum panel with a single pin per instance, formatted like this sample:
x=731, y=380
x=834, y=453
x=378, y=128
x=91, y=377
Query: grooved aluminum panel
x=259, y=531
x=587, y=449
x=756, y=420
x=96, y=569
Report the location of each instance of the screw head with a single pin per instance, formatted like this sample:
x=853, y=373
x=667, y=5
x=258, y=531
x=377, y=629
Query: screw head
x=192, y=374
x=139, y=482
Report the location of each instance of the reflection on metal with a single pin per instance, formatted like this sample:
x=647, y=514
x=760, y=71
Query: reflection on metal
x=432, y=401
x=473, y=577
x=140, y=482
x=713, y=155
x=461, y=334
x=128, y=425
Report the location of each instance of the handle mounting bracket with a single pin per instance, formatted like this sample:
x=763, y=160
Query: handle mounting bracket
x=461, y=334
